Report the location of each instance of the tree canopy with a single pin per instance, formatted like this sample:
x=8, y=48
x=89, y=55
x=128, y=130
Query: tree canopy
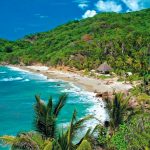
x=123, y=40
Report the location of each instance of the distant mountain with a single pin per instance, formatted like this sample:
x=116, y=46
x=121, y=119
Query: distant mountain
x=123, y=40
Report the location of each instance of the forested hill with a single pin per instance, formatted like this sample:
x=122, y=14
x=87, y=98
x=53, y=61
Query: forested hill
x=123, y=40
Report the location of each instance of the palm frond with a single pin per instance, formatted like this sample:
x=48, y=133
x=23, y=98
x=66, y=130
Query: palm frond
x=25, y=142
x=62, y=140
x=70, y=129
x=86, y=136
x=40, y=107
x=80, y=123
x=48, y=146
x=8, y=140
x=61, y=102
x=44, y=122
x=46, y=114
x=85, y=145
x=50, y=105
x=75, y=126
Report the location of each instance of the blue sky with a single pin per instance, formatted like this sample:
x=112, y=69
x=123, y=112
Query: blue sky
x=22, y=17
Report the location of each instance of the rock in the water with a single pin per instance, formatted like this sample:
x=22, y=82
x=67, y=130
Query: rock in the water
x=99, y=95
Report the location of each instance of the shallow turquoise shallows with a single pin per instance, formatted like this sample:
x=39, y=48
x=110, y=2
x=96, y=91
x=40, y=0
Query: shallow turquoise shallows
x=17, y=91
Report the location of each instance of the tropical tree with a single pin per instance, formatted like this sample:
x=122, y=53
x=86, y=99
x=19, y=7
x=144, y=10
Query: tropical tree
x=146, y=84
x=119, y=110
x=85, y=145
x=46, y=115
x=26, y=141
x=133, y=135
x=69, y=137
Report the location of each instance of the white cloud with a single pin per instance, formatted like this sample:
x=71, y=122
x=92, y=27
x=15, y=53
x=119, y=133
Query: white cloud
x=134, y=5
x=108, y=6
x=82, y=5
x=128, y=10
x=89, y=13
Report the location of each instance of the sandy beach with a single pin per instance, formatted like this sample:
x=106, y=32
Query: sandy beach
x=87, y=83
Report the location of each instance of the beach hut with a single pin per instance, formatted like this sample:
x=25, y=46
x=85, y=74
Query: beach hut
x=104, y=68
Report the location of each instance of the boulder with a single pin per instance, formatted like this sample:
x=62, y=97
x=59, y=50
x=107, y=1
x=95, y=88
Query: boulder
x=107, y=95
x=104, y=95
x=99, y=94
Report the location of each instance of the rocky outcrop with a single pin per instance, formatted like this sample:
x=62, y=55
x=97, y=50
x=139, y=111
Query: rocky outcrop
x=4, y=63
x=105, y=95
x=99, y=94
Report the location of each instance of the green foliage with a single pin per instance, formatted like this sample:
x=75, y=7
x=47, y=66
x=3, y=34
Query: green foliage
x=138, y=133
x=134, y=77
x=85, y=145
x=118, y=139
x=46, y=115
x=142, y=91
x=120, y=39
x=55, y=146
x=146, y=84
x=127, y=129
x=104, y=77
x=118, y=110
x=134, y=135
x=119, y=113
x=102, y=136
x=74, y=127
x=25, y=141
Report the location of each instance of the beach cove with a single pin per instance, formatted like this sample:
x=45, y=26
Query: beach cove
x=89, y=84
x=18, y=87
x=24, y=82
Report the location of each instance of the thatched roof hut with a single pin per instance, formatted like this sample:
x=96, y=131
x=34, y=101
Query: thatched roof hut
x=104, y=68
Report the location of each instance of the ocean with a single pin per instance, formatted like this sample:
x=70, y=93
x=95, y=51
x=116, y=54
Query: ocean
x=17, y=98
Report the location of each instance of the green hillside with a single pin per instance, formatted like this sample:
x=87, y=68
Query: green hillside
x=123, y=40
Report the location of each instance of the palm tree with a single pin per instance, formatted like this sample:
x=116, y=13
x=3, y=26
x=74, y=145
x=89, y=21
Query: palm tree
x=119, y=110
x=66, y=140
x=34, y=140
x=46, y=115
x=26, y=141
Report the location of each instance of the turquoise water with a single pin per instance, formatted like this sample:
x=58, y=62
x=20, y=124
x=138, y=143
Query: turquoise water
x=17, y=90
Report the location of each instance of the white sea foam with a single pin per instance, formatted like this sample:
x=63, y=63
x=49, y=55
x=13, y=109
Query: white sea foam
x=11, y=79
x=53, y=80
x=26, y=80
x=2, y=72
x=41, y=76
x=38, y=75
x=16, y=69
x=97, y=109
x=72, y=89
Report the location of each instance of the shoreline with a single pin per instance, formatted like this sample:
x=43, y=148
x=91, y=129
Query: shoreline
x=98, y=108
x=89, y=84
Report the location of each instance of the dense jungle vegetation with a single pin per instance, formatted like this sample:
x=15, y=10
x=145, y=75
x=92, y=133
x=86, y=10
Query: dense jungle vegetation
x=123, y=40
